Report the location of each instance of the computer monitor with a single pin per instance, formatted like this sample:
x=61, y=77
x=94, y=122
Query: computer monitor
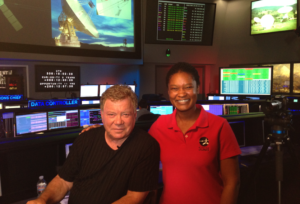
x=161, y=109
x=90, y=117
x=216, y=98
x=89, y=90
x=233, y=109
x=12, y=106
x=62, y=119
x=216, y=109
x=103, y=88
x=89, y=102
x=68, y=148
x=106, y=86
x=132, y=87
x=31, y=123
x=246, y=81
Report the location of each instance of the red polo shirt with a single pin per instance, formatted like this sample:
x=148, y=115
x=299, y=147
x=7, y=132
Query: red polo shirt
x=191, y=172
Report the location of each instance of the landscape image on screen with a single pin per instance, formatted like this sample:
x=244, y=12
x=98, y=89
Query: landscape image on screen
x=269, y=16
x=93, y=23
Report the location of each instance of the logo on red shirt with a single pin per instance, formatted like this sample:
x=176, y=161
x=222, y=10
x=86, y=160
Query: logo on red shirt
x=204, y=142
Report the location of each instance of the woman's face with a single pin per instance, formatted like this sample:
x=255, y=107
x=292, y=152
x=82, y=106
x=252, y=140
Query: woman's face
x=182, y=90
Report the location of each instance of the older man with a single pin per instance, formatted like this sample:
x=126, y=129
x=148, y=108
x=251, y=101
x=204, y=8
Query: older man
x=115, y=163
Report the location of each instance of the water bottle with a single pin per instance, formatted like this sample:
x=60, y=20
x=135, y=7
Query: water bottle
x=41, y=185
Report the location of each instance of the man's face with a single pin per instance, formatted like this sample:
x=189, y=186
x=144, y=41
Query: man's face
x=118, y=118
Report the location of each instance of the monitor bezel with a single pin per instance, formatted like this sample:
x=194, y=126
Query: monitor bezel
x=245, y=67
x=63, y=128
x=29, y=113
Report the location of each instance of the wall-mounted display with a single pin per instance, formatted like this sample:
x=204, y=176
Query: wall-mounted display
x=92, y=28
x=50, y=78
x=269, y=16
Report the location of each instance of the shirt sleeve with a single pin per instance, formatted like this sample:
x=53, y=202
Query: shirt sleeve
x=72, y=164
x=146, y=173
x=229, y=146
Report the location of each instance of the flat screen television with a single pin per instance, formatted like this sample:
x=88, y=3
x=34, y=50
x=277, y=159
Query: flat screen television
x=31, y=123
x=90, y=117
x=161, y=109
x=246, y=81
x=269, y=16
x=62, y=119
x=89, y=90
x=49, y=78
x=91, y=28
x=180, y=22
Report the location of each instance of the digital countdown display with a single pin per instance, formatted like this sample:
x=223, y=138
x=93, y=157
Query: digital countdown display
x=57, y=78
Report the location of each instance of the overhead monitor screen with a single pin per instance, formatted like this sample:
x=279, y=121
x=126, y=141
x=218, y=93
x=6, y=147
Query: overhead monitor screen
x=269, y=16
x=90, y=117
x=179, y=22
x=246, y=81
x=92, y=28
x=31, y=123
x=89, y=90
x=161, y=109
x=62, y=119
x=49, y=78
x=216, y=109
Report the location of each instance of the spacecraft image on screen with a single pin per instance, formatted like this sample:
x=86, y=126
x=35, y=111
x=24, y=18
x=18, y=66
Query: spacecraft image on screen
x=273, y=16
x=91, y=24
x=101, y=25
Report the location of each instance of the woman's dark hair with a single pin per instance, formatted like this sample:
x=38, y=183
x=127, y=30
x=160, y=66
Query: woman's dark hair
x=183, y=67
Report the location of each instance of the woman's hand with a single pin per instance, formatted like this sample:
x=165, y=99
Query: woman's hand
x=89, y=128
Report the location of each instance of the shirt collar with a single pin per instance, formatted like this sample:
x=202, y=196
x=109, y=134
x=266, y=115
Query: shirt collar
x=202, y=120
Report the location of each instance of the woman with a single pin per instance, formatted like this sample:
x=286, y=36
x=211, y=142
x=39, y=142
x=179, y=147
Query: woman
x=198, y=149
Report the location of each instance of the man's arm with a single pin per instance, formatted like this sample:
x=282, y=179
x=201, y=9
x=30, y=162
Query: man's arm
x=132, y=197
x=55, y=191
x=231, y=179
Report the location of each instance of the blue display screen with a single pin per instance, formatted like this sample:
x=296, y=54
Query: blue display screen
x=90, y=117
x=161, y=109
x=31, y=123
x=216, y=109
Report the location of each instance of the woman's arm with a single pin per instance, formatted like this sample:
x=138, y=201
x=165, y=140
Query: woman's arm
x=231, y=180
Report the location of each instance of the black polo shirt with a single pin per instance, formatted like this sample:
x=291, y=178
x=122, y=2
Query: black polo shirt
x=102, y=175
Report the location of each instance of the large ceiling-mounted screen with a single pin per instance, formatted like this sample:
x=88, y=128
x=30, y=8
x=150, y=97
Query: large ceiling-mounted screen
x=91, y=28
x=269, y=16
x=178, y=22
x=246, y=81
